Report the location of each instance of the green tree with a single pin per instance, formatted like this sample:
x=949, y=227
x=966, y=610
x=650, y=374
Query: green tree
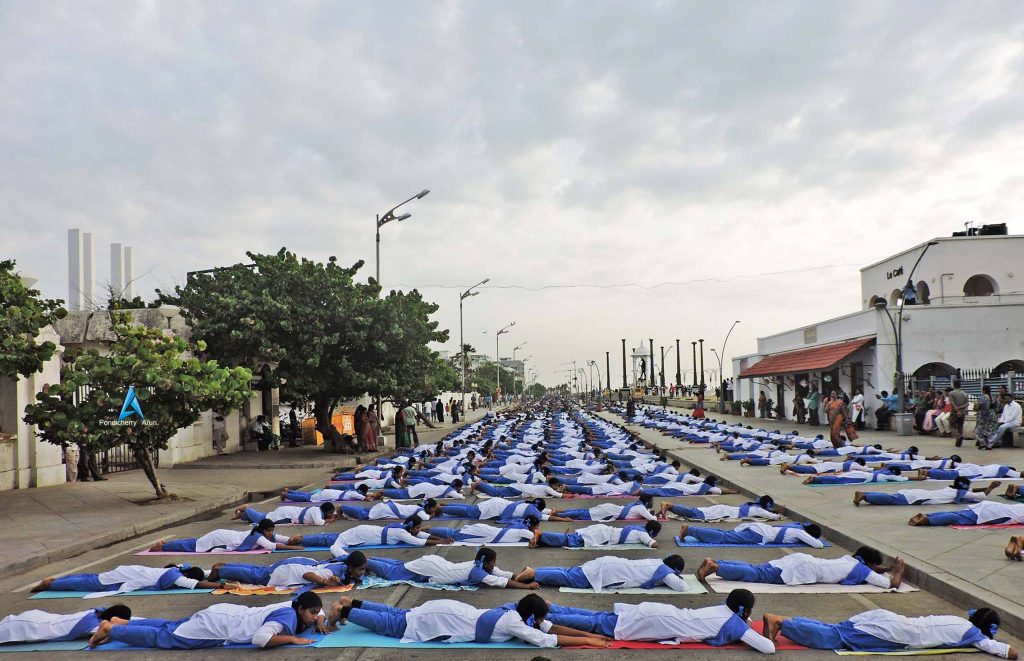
x=22, y=315
x=173, y=388
x=536, y=391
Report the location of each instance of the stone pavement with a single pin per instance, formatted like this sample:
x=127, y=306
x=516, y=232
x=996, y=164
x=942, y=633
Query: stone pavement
x=964, y=566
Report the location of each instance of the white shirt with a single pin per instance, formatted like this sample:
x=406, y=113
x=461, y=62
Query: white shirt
x=136, y=577
x=611, y=511
x=803, y=569
x=922, y=632
x=293, y=574
x=717, y=512
x=606, y=489
x=990, y=510
x=664, y=622
x=941, y=496
x=445, y=617
x=486, y=533
x=428, y=490
x=491, y=508
x=535, y=490
x=384, y=511
x=602, y=535
x=685, y=489
x=36, y=625
x=370, y=535
x=233, y=623
x=1011, y=414
x=312, y=517
x=610, y=570
x=594, y=478
x=792, y=535
x=325, y=495
x=229, y=540
x=444, y=571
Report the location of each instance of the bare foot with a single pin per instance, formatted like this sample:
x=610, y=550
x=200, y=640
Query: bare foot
x=1013, y=549
x=918, y=520
x=809, y=480
x=238, y=513
x=683, y=529
x=102, y=634
x=707, y=567
x=772, y=625
x=46, y=583
x=284, y=493
x=159, y=546
x=858, y=498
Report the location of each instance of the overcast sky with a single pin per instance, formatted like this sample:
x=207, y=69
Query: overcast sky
x=564, y=143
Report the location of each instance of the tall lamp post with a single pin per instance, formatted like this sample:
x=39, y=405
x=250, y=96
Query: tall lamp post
x=694, y=363
x=651, y=340
x=624, y=384
x=701, y=364
x=523, y=380
x=497, y=359
x=679, y=372
x=721, y=373
x=462, y=343
x=388, y=216
x=608, y=370
x=661, y=373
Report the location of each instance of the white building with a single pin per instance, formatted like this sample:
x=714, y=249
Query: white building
x=968, y=317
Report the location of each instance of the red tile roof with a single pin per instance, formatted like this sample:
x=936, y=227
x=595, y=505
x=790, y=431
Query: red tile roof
x=806, y=360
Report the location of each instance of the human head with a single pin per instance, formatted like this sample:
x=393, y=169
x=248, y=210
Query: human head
x=676, y=562
x=676, y=465
x=962, y=482
x=859, y=461
x=486, y=558
x=987, y=390
x=813, y=529
x=195, y=573
x=766, y=502
x=457, y=484
x=653, y=528
x=533, y=609
x=711, y=481
x=265, y=528
x=646, y=500
x=261, y=418
x=363, y=489
x=695, y=471
x=531, y=522
x=307, y=607
x=327, y=509
x=431, y=507
x=741, y=602
x=356, y=563
x=540, y=504
x=986, y=619
x=913, y=450
x=895, y=471
x=870, y=556
x=412, y=524
x=117, y=610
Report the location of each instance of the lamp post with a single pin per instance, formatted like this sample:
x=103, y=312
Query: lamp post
x=651, y=340
x=661, y=373
x=388, y=216
x=497, y=359
x=694, y=363
x=462, y=343
x=608, y=370
x=624, y=384
x=523, y=380
x=679, y=372
x=721, y=373
x=701, y=364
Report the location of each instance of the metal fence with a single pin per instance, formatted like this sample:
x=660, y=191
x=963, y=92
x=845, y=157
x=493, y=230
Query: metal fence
x=971, y=381
x=118, y=459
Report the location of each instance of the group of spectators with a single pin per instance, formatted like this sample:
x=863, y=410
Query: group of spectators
x=943, y=412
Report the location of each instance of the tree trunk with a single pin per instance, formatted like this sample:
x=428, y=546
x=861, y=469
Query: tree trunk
x=323, y=409
x=145, y=459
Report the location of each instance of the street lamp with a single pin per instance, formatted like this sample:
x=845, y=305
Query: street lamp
x=497, y=359
x=721, y=373
x=462, y=344
x=694, y=363
x=388, y=216
x=594, y=363
x=679, y=375
x=523, y=380
x=701, y=365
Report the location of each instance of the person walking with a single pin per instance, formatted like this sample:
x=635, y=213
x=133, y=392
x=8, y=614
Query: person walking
x=439, y=409
x=813, y=403
x=958, y=411
x=374, y=439
x=987, y=420
x=87, y=465
x=454, y=405
x=293, y=427
x=220, y=433
x=857, y=408
x=762, y=405
x=839, y=421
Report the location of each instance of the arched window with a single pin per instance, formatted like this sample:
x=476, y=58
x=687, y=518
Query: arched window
x=895, y=297
x=934, y=369
x=875, y=299
x=1016, y=366
x=980, y=285
x=923, y=294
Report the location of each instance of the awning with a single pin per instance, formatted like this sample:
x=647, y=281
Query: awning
x=806, y=360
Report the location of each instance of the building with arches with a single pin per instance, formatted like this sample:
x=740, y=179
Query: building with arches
x=962, y=312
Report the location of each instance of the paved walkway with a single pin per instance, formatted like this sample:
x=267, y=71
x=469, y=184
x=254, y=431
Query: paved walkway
x=952, y=563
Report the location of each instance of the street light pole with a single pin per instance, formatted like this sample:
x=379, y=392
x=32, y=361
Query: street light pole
x=701, y=364
x=661, y=373
x=721, y=373
x=608, y=370
x=388, y=216
x=497, y=361
x=651, y=340
x=462, y=342
x=901, y=399
x=694, y=363
x=624, y=384
x=679, y=371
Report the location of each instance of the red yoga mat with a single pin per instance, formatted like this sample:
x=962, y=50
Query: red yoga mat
x=781, y=644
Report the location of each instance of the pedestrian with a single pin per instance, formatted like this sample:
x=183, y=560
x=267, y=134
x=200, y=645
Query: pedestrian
x=409, y=421
x=220, y=433
x=838, y=421
x=958, y=411
x=857, y=408
x=813, y=402
x=293, y=424
x=456, y=410
x=799, y=411
x=439, y=409
x=986, y=421
x=70, y=461
x=698, y=412
x=87, y=465
x=363, y=431
x=762, y=405
x=374, y=439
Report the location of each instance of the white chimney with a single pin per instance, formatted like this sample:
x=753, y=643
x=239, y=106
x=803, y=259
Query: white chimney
x=74, y=269
x=117, y=270
x=88, y=275
x=129, y=274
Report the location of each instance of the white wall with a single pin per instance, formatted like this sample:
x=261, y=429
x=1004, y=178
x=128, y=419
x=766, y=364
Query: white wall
x=847, y=327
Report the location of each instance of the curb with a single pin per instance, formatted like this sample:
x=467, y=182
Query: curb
x=922, y=574
x=336, y=462
x=121, y=535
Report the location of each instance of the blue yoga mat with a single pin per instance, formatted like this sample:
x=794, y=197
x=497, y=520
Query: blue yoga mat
x=47, y=646
x=305, y=550
x=115, y=646
x=352, y=635
x=355, y=548
x=66, y=594
x=680, y=542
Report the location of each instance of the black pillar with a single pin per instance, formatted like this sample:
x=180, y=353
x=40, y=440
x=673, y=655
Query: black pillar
x=679, y=371
x=661, y=373
x=701, y=363
x=694, y=363
x=651, y=362
x=624, y=384
x=608, y=370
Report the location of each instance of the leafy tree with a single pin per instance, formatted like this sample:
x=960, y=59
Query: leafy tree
x=536, y=391
x=22, y=315
x=117, y=301
x=483, y=377
x=172, y=386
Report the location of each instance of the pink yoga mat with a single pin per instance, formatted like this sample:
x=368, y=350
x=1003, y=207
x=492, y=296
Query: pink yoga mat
x=256, y=552
x=781, y=643
x=990, y=526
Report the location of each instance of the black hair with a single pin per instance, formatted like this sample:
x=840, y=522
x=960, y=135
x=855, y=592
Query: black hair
x=363, y=489
x=741, y=602
x=695, y=472
x=486, y=555
x=877, y=446
x=961, y=482
x=810, y=453
x=711, y=480
x=412, y=522
x=676, y=562
x=986, y=619
x=327, y=509
x=624, y=476
x=653, y=528
x=307, y=601
x=676, y=464
x=647, y=500
x=195, y=573
x=913, y=450
x=955, y=458
x=457, y=484
x=859, y=461
x=895, y=470
x=540, y=504
x=355, y=559
x=766, y=502
x=531, y=522
x=554, y=481
x=429, y=504
x=117, y=610
x=263, y=526
x=813, y=529
x=532, y=606
x=869, y=555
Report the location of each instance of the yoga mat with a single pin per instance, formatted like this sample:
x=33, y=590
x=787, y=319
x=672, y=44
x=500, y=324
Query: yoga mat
x=368, y=583
x=256, y=552
x=59, y=594
x=607, y=547
x=115, y=646
x=691, y=581
x=680, y=542
x=781, y=644
x=671, y=515
x=990, y=526
x=944, y=650
x=352, y=635
x=723, y=587
x=46, y=646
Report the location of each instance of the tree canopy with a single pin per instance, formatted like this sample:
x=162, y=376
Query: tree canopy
x=22, y=315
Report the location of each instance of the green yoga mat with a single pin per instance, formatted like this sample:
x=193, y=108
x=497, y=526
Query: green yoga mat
x=352, y=635
x=49, y=646
x=67, y=594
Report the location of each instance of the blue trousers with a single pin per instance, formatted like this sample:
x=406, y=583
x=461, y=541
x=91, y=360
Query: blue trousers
x=823, y=636
x=878, y=498
x=397, y=494
x=355, y=512
x=560, y=539
x=503, y=492
x=159, y=634
x=245, y=573
x=449, y=533
x=187, y=545
x=319, y=539
x=797, y=468
x=942, y=474
x=252, y=515
x=341, y=477
x=392, y=570
x=760, y=462
x=570, y=577
x=380, y=618
x=298, y=496
x=742, y=571
x=662, y=492
x=461, y=511
x=577, y=514
x=960, y=518
x=837, y=479
x=716, y=536
x=81, y=583
x=600, y=622
x=687, y=512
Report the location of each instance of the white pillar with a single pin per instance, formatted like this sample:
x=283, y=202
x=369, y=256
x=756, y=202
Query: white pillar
x=129, y=274
x=117, y=270
x=74, y=269
x=88, y=274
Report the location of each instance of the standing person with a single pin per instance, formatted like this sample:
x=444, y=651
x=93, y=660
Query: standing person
x=987, y=421
x=455, y=411
x=762, y=405
x=363, y=430
x=293, y=424
x=838, y=421
x=942, y=421
x=813, y=402
x=699, y=411
x=958, y=401
x=71, y=461
x=87, y=465
x=409, y=420
x=857, y=408
x=401, y=439
x=220, y=433
x=373, y=421
x=439, y=409
x=799, y=411
x=1008, y=419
